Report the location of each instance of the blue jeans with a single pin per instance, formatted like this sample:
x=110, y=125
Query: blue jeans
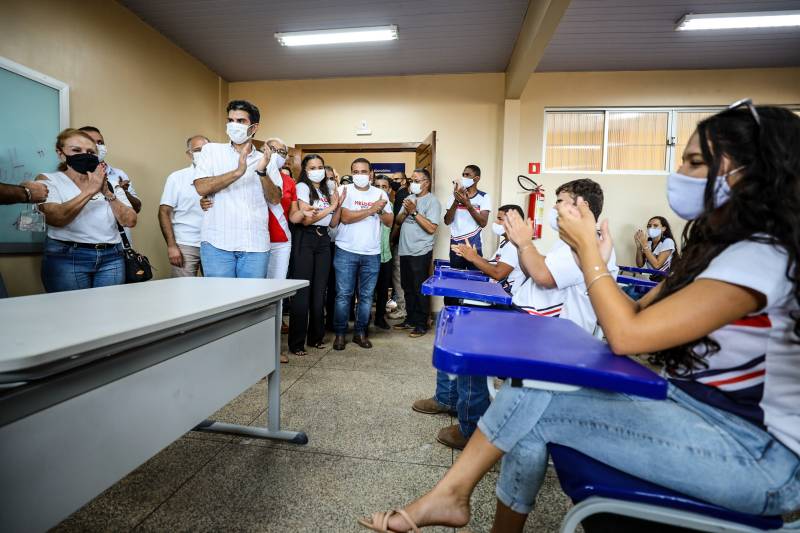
x=67, y=268
x=679, y=443
x=467, y=395
x=348, y=266
x=224, y=264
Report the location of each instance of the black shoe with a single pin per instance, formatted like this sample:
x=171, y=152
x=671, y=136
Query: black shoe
x=382, y=325
x=339, y=343
x=417, y=332
x=362, y=341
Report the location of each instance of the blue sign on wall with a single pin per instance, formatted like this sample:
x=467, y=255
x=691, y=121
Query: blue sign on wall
x=388, y=168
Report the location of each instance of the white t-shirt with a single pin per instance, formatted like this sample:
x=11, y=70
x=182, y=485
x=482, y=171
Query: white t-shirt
x=568, y=298
x=94, y=224
x=756, y=372
x=238, y=222
x=187, y=216
x=362, y=237
x=507, y=253
x=304, y=194
x=662, y=246
x=463, y=225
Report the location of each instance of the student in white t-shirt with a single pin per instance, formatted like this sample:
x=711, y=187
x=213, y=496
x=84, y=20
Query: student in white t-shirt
x=180, y=215
x=725, y=324
x=358, y=251
x=504, y=267
x=82, y=210
x=655, y=249
x=555, y=287
x=467, y=214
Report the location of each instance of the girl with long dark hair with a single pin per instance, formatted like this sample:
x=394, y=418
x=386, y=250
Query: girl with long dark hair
x=656, y=248
x=725, y=324
x=319, y=205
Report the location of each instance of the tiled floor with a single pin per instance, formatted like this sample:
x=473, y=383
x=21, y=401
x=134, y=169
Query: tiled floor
x=367, y=451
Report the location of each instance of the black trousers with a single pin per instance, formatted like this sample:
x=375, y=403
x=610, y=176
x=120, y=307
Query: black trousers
x=330, y=293
x=456, y=261
x=414, y=270
x=382, y=291
x=311, y=260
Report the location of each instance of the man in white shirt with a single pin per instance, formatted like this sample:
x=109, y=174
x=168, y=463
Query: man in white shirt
x=180, y=216
x=116, y=176
x=358, y=251
x=234, y=234
x=467, y=214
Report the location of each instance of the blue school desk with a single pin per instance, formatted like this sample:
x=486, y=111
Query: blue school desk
x=95, y=382
x=482, y=291
x=458, y=273
x=490, y=342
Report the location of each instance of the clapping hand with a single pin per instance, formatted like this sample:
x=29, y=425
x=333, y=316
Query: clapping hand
x=465, y=250
x=578, y=227
x=640, y=239
x=124, y=184
x=244, y=151
x=461, y=194
x=409, y=205
x=378, y=206
x=96, y=182
x=519, y=231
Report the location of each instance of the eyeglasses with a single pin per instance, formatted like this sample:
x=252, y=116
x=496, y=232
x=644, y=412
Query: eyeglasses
x=747, y=102
x=281, y=151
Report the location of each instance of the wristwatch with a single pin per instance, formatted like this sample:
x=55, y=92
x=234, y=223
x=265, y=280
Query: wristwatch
x=414, y=214
x=110, y=198
x=262, y=173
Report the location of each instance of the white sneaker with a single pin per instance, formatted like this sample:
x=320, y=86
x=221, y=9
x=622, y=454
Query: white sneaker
x=397, y=313
x=391, y=305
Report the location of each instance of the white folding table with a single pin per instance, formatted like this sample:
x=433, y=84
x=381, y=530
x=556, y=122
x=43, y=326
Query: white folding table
x=95, y=382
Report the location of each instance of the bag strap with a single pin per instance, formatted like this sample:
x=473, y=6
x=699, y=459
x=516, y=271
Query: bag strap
x=125, y=242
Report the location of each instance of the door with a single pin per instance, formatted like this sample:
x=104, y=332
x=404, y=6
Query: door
x=426, y=156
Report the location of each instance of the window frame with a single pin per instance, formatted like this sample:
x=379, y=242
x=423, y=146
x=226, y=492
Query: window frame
x=670, y=141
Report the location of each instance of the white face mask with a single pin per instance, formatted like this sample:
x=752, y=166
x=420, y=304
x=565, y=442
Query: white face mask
x=237, y=133
x=685, y=194
x=316, y=175
x=279, y=159
x=101, y=151
x=361, y=180
x=654, y=233
x=552, y=219
x=415, y=188
x=467, y=182
x=498, y=229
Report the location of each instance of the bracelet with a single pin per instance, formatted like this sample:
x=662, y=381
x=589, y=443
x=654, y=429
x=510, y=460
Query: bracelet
x=589, y=286
x=28, y=195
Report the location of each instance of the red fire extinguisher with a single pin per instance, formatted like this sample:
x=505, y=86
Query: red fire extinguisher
x=535, y=203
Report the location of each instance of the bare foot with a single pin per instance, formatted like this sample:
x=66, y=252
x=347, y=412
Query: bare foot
x=440, y=507
x=284, y=358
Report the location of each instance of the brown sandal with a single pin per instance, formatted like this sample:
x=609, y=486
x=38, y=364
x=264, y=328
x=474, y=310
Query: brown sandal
x=380, y=522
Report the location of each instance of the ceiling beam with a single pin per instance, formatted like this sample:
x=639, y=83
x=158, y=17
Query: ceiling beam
x=538, y=27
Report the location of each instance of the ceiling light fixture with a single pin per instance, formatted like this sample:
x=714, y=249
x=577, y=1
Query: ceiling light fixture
x=732, y=21
x=346, y=35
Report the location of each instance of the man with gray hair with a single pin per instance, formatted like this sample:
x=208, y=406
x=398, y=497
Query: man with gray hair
x=180, y=215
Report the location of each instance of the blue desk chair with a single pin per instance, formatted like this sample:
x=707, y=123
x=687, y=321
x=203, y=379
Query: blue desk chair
x=598, y=488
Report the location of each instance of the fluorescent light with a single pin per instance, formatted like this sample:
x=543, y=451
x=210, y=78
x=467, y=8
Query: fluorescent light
x=732, y=21
x=346, y=35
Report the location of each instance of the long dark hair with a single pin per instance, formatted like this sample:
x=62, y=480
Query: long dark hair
x=764, y=207
x=313, y=196
x=667, y=229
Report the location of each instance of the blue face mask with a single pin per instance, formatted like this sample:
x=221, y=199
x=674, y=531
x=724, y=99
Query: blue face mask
x=685, y=194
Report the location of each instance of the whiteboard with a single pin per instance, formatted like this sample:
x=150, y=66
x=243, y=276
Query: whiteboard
x=34, y=108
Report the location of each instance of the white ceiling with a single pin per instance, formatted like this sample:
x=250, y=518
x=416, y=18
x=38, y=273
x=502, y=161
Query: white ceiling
x=235, y=37
x=639, y=35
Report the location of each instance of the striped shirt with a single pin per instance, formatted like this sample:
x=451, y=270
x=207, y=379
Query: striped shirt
x=756, y=372
x=238, y=221
x=463, y=225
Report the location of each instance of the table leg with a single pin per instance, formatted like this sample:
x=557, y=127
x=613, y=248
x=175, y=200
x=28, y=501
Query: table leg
x=273, y=430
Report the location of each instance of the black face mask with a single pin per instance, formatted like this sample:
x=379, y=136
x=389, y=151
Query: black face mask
x=395, y=185
x=83, y=163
